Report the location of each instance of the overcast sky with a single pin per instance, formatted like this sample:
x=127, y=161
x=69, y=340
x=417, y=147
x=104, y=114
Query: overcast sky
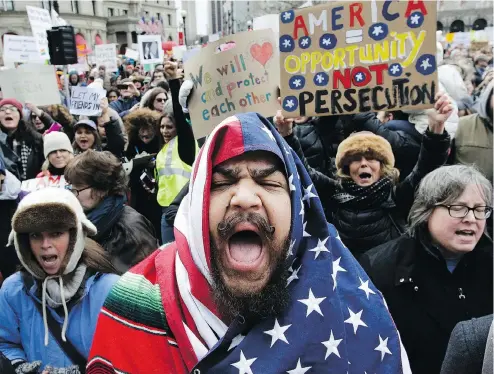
x=201, y=15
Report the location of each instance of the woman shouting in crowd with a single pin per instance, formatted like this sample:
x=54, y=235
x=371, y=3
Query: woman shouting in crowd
x=440, y=273
x=368, y=206
x=48, y=310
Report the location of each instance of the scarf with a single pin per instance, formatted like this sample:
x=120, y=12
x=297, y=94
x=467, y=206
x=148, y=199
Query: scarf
x=336, y=321
x=357, y=197
x=57, y=291
x=56, y=171
x=105, y=215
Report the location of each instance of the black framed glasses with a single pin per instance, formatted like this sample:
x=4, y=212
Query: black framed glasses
x=461, y=211
x=74, y=191
x=160, y=100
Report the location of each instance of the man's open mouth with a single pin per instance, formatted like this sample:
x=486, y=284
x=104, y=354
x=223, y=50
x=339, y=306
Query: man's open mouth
x=49, y=259
x=245, y=246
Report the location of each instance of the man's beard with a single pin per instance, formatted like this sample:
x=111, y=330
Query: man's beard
x=274, y=296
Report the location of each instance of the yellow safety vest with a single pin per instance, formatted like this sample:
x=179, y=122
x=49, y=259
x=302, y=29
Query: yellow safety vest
x=173, y=174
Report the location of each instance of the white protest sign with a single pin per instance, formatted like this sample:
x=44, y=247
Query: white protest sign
x=40, y=21
x=268, y=21
x=106, y=54
x=86, y=101
x=31, y=83
x=35, y=184
x=130, y=53
x=178, y=51
x=150, y=49
x=20, y=49
x=56, y=19
x=80, y=67
x=188, y=54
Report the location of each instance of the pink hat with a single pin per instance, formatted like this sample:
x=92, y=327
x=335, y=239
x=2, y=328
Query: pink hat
x=13, y=102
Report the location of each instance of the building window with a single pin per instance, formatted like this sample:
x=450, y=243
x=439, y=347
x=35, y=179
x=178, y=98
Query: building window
x=8, y=5
x=45, y=4
x=147, y=14
x=168, y=2
x=169, y=19
x=158, y=16
x=94, y=7
x=110, y=12
x=125, y=12
x=75, y=6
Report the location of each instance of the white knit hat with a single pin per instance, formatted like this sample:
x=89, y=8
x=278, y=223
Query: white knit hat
x=55, y=141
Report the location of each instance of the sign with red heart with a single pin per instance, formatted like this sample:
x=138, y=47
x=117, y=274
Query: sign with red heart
x=263, y=53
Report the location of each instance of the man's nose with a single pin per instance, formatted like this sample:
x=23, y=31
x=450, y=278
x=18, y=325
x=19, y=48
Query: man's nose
x=245, y=197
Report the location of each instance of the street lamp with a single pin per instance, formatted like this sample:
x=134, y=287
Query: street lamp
x=184, y=14
x=249, y=25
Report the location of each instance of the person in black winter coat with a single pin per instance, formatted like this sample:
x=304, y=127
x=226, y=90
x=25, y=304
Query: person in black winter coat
x=100, y=184
x=368, y=208
x=144, y=144
x=405, y=140
x=440, y=273
x=21, y=145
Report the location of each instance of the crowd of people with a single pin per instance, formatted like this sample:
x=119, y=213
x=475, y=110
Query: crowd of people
x=301, y=245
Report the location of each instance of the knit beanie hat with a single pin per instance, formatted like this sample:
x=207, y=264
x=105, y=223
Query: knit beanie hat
x=50, y=209
x=56, y=141
x=18, y=105
x=366, y=144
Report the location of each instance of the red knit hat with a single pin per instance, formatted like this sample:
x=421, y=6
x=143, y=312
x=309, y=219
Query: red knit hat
x=13, y=102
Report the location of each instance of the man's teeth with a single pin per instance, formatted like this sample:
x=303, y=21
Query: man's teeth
x=465, y=232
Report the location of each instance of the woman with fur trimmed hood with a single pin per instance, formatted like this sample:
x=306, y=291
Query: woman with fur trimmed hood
x=55, y=299
x=367, y=204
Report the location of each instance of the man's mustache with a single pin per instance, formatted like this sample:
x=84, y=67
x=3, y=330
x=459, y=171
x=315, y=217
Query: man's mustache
x=226, y=228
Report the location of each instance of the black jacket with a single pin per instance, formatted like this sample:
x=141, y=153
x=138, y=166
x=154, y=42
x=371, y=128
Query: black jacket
x=129, y=240
x=319, y=139
x=12, y=154
x=425, y=300
x=365, y=229
x=404, y=139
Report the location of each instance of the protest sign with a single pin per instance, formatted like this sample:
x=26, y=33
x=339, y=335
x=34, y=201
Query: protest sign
x=130, y=53
x=268, y=21
x=35, y=184
x=106, y=54
x=36, y=84
x=150, y=49
x=21, y=49
x=237, y=80
x=86, y=101
x=40, y=21
x=188, y=54
x=479, y=46
x=352, y=57
x=80, y=67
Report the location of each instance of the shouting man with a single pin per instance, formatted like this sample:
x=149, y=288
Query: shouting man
x=256, y=281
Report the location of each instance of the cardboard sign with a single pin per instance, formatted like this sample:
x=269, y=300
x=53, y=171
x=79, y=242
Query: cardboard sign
x=352, y=57
x=150, y=49
x=106, y=54
x=130, y=53
x=21, y=49
x=40, y=21
x=479, y=46
x=86, y=101
x=35, y=184
x=237, y=80
x=32, y=83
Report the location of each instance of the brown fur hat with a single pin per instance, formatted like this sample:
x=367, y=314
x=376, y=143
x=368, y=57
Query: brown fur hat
x=50, y=209
x=366, y=144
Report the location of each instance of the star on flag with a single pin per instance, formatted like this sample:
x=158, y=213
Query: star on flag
x=312, y=303
x=383, y=347
x=320, y=247
x=277, y=333
x=364, y=286
x=270, y=134
x=355, y=320
x=243, y=365
x=299, y=369
x=236, y=341
x=332, y=346
x=293, y=276
x=336, y=268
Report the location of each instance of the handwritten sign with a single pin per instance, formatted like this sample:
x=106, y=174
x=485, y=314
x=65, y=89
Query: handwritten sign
x=35, y=184
x=40, y=21
x=241, y=78
x=32, y=83
x=351, y=57
x=20, y=49
x=106, y=54
x=178, y=51
x=86, y=101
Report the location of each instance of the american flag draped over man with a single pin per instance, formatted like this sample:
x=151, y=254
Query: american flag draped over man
x=161, y=316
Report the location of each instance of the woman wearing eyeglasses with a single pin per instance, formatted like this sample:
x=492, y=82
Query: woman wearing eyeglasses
x=440, y=273
x=155, y=99
x=99, y=182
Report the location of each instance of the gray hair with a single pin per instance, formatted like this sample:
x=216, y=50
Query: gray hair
x=444, y=186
